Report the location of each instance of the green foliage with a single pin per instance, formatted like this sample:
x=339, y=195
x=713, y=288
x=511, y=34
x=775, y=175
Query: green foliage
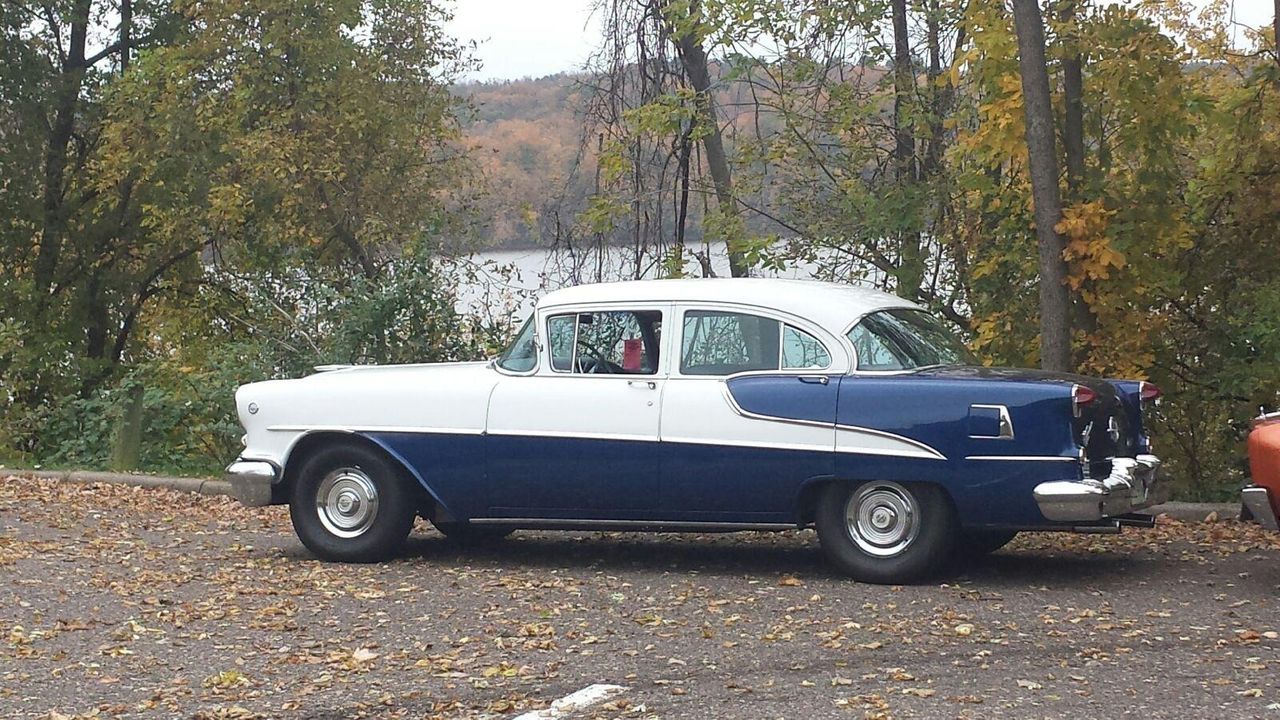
x=255, y=326
x=257, y=159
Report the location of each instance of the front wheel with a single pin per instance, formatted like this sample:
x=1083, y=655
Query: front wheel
x=351, y=505
x=886, y=532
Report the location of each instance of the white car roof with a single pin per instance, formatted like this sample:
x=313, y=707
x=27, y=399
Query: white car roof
x=832, y=306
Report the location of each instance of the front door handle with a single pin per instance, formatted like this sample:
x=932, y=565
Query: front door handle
x=815, y=379
x=651, y=385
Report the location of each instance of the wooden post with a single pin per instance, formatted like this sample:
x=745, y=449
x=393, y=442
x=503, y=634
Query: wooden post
x=128, y=441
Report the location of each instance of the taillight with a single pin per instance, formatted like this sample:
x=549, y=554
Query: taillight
x=1148, y=391
x=1081, y=396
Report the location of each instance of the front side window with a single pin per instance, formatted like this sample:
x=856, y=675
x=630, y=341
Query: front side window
x=522, y=355
x=622, y=342
x=904, y=339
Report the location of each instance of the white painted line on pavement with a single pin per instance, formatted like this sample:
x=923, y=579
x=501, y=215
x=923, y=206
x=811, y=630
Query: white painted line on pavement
x=573, y=702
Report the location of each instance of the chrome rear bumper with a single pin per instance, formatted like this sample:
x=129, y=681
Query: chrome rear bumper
x=251, y=481
x=1132, y=485
x=1258, y=500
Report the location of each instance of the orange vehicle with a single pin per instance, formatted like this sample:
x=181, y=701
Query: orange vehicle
x=1262, y=498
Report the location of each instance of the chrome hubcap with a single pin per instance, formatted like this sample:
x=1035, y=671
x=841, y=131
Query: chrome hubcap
x=347, y=502
x=882, y=518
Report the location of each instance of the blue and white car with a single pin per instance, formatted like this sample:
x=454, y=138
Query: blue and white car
x=706, y=405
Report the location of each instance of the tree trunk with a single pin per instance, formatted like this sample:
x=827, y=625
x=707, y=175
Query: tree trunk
x=682, y=199
x=1055, y=302
x=1073, y=143
x=1073, y=96
x=910, y=271
x=1275, y=30
x=694, y=60
x=937, y=97
x=67, y=99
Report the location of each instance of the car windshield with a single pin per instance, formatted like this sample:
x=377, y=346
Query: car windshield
x=903, y=339
x=522, y=356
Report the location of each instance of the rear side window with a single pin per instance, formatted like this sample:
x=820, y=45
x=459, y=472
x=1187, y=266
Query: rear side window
x=715, y=342
x=802, y=351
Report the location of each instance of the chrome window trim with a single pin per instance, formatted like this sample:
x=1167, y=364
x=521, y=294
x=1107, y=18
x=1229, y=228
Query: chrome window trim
x=817, y=332
x=782, y=347
x=665, y=309
x=551, y=364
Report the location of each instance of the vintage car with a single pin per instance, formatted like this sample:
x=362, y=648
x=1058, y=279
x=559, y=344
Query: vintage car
x=706, y=405
x=1262, y=498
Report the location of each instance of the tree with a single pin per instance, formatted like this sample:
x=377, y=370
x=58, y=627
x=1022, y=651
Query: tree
x=910, y=270
x=684, y=24
x=261, y=135
x=1055, y=301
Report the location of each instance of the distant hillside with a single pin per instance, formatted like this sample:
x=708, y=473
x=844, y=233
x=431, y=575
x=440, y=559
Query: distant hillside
x=526, y=136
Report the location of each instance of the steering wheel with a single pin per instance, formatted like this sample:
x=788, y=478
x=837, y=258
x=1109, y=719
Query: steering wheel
x=595, y=363
x=598, y=366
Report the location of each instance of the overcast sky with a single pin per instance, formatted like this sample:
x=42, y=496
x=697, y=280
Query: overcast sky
x=526, y=38
x=532, y=38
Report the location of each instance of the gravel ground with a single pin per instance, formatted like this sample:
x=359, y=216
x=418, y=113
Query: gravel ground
x=124, y=601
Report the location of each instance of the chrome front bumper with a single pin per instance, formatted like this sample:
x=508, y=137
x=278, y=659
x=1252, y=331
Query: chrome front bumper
x=251, y=481
x=1132, y=485
x=1258, y=500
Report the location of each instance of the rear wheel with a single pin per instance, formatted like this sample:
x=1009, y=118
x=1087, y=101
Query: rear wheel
x=886, y=532
x=468, y=534
x=350, y=504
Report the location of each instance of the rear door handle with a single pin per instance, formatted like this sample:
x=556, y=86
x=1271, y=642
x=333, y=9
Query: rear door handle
x=651, y=385
x=815, y=379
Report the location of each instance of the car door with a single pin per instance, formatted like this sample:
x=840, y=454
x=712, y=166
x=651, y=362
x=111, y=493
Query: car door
x=748, y=416
x=578, y=439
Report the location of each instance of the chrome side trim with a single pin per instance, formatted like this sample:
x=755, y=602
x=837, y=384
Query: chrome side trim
x=808, y=447
x=671, y=525
x=375, y=428
x=1023, y=458
x=1258, y=500
x=925, y=450
x=573, y=434
x=733, y=404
